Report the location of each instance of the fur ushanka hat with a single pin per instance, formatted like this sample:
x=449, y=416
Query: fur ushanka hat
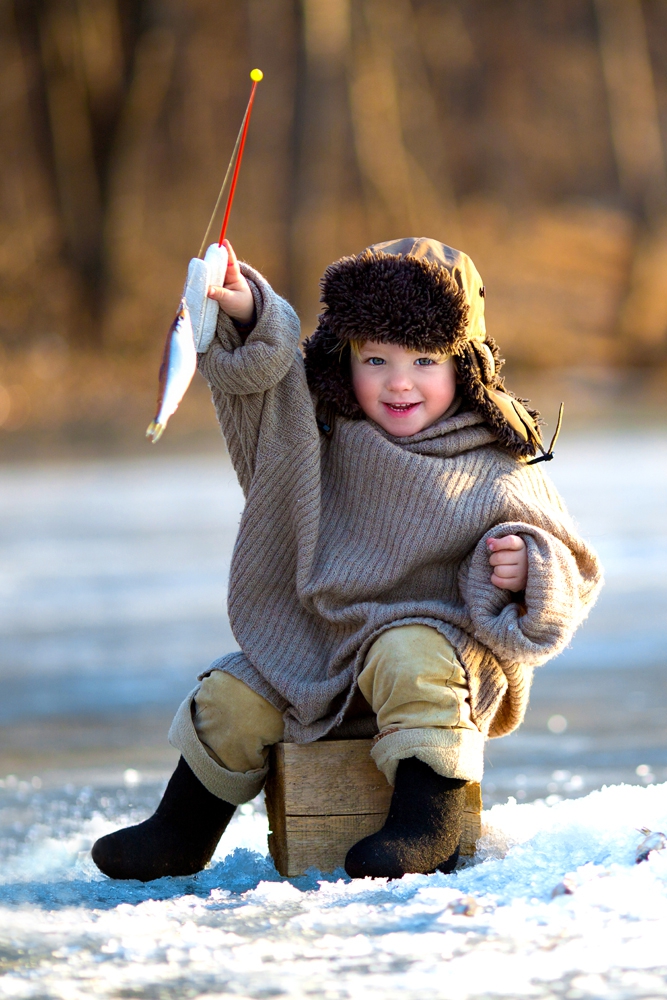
x=424, y=296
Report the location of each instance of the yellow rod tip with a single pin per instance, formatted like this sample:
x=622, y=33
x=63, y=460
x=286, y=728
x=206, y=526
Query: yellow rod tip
x=256, y=75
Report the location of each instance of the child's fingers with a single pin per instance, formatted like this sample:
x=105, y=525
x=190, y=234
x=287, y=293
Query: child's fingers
x=233, y=274
x=231, y=253
x=509, y=542
x=237, y=302
x=216, y=292
x=505, y=572
x=233, y=277
x=512, y=583
x=505, y=559
x=508, y=558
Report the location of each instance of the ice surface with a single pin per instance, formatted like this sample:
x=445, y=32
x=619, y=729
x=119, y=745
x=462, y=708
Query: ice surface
x=112, y=579
x=239, y=929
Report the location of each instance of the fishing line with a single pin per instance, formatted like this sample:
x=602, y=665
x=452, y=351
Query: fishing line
x=222, y=190
x=237, y=154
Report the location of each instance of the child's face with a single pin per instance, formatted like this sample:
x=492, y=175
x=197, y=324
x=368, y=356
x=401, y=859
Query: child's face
x=402, y=391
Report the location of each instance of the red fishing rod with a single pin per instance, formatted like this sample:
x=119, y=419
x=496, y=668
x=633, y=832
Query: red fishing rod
x=194, y=325
x=234, y=164
x=256, y=75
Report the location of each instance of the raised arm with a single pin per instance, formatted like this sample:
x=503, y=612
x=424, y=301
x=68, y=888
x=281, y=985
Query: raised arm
x=257, y=380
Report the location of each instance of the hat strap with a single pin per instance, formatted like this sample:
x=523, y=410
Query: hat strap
x=548, y=455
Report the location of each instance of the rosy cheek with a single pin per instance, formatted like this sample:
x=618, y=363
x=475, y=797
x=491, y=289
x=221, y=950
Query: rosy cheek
x=362, y=386
x=440, y=392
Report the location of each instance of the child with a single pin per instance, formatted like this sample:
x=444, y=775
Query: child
x=400, y=569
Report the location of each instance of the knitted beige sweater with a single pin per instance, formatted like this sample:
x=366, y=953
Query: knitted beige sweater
x=344, y=537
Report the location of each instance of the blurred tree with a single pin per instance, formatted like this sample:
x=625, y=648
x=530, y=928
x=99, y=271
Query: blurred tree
x=78, y=57
x=530, y=134
x=322, y=199
x=640, y=161
x=397, y=126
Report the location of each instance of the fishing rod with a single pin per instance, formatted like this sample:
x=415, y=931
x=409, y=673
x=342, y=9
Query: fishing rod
x=194, y=325
x=237, y=155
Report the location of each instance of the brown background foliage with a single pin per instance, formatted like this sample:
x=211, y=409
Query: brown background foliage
x=529, y=134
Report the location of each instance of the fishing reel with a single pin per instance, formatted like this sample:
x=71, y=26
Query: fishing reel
x=204, y=311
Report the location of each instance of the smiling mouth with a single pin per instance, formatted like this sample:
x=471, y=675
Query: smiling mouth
x=400, y=409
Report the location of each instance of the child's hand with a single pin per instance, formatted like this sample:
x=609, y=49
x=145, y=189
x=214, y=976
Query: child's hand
x=509, y=559
x=235, y=298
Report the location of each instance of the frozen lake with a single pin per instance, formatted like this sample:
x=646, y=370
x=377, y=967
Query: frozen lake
x=112, y=578
x=238, y=929
x=113, y=583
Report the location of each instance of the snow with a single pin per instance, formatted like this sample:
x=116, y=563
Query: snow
x=240, y=929
x=113, y=581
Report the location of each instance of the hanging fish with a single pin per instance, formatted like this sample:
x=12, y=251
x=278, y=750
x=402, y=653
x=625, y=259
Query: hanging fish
x=179, y=362
x=194, y=325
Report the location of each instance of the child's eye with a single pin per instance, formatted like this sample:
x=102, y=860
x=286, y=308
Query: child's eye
x=424, y=362
x=375, y=361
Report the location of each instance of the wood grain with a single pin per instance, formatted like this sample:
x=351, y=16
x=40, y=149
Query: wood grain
x=321, y=798
x=323, y=841
x=330, y=778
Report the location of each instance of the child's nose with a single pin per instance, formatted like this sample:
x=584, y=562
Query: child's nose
x=399, y=381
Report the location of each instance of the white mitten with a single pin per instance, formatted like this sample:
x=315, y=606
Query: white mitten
x=204, y=311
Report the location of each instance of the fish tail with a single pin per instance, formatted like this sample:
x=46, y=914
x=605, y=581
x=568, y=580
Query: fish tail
x=154, y=431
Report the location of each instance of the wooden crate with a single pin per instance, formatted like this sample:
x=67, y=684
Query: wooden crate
x=323, y=797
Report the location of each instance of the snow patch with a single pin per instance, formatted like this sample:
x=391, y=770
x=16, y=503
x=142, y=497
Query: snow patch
x=491, y=929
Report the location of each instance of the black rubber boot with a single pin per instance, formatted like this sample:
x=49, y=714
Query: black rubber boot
x=422, y=831
x=178, y=839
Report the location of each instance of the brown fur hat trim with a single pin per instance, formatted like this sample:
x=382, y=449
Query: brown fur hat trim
x=483, y=390
x=386, y=298
x=414, y=302
x=329, y=375
x=394, y=299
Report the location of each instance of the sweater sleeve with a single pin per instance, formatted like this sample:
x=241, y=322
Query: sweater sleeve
x=564, y=576
x=244, y=374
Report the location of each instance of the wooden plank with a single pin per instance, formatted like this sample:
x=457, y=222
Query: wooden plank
x=321, y=841
x=331, y=778
x=322, y=798
x=472, y=831
x=472, y=819
x=473, y=803
x=274, y=795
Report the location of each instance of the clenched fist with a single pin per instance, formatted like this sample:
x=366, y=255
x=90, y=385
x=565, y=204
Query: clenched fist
x=235, y=297
x=509, y=560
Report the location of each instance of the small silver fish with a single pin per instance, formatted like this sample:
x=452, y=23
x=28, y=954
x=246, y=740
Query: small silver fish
x=653, y=841
x=179, y=362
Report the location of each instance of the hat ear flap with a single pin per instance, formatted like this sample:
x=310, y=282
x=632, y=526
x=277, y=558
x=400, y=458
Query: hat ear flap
x=485, y=362
x=516, y=415
x=515, y=427
x=327, y=362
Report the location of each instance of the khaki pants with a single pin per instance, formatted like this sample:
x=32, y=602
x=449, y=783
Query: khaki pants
x=412, y=680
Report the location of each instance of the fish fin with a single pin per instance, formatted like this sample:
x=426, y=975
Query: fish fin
x=154, y=431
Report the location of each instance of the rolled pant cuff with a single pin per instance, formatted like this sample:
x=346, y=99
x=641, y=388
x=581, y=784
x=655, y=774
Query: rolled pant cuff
x=454, y=753
x=235, y=787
